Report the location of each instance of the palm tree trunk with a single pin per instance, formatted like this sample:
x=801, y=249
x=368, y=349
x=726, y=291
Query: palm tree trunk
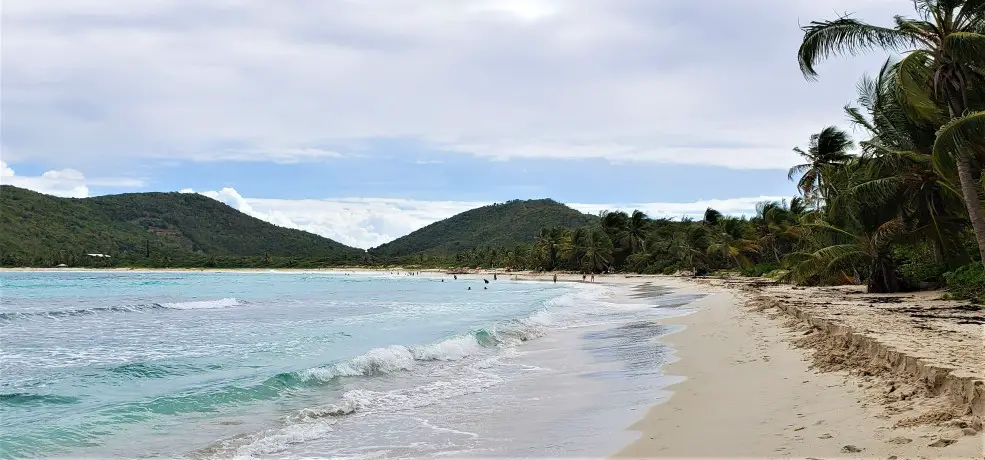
x=970, y=193
x=957, y=104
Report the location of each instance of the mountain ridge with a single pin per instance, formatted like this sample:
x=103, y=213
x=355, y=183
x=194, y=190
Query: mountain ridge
x=497, y=225
x=152, y=228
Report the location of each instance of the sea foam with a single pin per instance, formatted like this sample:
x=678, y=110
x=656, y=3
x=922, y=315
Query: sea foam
x=202, y=304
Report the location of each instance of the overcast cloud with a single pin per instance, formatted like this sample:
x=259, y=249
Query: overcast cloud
x=701, y=82
x=94, y=90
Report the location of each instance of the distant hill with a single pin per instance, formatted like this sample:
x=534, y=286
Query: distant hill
x=177, y=229
x=498, y=225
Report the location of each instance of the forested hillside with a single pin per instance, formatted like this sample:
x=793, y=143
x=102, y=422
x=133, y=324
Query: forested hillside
x=151, y=229
x=498, y=225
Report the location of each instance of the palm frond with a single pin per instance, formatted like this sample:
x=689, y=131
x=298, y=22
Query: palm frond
x=961, y=135
x=966, y=47
x=914, y=76
x=845, y=35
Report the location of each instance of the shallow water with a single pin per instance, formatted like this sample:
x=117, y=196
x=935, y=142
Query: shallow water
x=322, y=364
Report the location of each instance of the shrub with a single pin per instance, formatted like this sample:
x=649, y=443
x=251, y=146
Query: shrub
x=967, y=282
x=760, y=269
x=917, y=273
x=918, y=265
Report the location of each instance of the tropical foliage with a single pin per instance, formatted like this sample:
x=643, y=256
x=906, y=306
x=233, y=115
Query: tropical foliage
x=152, y=230
x=899, y=209
x=496, y=226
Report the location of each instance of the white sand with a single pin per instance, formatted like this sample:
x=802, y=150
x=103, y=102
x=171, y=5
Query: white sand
x=749, y=393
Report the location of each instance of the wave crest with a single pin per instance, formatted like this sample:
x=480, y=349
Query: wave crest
x=61, y=314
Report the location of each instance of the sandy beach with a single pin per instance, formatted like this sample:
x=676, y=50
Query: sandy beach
x=751, y=392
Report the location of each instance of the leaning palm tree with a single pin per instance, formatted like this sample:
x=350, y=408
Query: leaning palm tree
x=943, y=73
x=827, y=149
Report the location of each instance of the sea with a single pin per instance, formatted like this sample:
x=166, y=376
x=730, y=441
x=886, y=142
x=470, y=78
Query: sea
x=205, y=365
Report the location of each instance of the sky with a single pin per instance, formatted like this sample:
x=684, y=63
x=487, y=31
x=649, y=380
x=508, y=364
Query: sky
x=363, y=120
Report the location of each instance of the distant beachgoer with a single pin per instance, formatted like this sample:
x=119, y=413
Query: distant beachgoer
x=469, y=289
x=593, y=277
x=483, y=287
x=456, y=276
x=494, y=277
x=485, y=280
x=555, y=277
x=583, y=277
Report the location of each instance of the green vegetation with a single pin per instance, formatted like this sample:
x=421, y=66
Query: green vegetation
x=967, y=282
x=151, y=230
x=894, y=211
x=899, y=209
x=495, y=226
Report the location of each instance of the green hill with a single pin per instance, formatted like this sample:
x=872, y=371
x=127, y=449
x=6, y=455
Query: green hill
x=498, y=225
x=151, y=229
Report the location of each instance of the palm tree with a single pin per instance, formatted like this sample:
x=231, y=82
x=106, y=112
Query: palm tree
x=778, y=226
x=727, y=240
x=943, y=72
x=827, y=149
x=550, y=242
x=899, y=161
x=595, y=250
x=636, y=228
x=711, y=216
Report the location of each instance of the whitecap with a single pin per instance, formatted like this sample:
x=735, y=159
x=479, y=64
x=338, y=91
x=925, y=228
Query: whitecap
x=202, y=304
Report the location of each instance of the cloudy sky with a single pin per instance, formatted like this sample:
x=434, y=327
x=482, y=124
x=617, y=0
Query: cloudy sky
x=362, y=120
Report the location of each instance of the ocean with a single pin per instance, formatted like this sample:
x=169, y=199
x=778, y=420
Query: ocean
x=324, y=364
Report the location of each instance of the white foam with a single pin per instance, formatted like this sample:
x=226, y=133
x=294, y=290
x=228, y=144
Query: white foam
x=202, y=304
x=452, y=349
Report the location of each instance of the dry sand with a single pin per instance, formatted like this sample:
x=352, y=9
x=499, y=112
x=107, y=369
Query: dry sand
x=751, y=392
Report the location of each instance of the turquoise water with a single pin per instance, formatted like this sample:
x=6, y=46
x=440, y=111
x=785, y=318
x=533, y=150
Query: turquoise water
x=278, y=364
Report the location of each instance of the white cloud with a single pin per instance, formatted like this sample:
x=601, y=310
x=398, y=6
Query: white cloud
x=358, y=222
x=695, y=209
x=67, y=182
x=370, y=222
x=61, y=182
x=701, y=82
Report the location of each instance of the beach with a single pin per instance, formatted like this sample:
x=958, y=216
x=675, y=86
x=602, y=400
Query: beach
x=751, y=391
x=749, y=369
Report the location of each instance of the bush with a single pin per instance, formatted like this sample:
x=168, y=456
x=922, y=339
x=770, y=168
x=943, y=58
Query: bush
x=916, y=273
x=967, y=282
x=760, y=269
x=918, y=264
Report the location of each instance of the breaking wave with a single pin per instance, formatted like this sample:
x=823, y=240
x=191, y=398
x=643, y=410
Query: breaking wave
x=62, y=314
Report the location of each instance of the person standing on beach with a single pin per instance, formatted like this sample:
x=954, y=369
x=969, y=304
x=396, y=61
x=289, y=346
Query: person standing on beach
x=555, y=277
x=593, y=277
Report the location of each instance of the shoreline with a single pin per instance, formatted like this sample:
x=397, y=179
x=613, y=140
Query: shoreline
x=750, y=391
x=756, y=375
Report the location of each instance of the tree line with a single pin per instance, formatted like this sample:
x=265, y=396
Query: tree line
x=899, y=208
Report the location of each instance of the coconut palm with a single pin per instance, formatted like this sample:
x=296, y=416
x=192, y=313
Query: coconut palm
x=726, y=239
x=550, y=243
x=898, y=158
x=595, y=250
x=941, y=75
x=827, y=149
